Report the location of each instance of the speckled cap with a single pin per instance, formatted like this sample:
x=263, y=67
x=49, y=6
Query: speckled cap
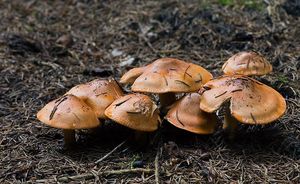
x=68, y=112
x=247, y=63
x=167, y=75
x=98, y=94
x=251, y=101
x=136, y=111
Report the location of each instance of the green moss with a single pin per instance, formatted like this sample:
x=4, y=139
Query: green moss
x=254, y=4
x=282, y=79
x=226, y=2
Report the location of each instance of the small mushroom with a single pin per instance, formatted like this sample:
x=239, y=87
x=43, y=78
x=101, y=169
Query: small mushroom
x=247, y=63
x=186, y=114
x=167, y=76
x=250, y=101
x=68, y=113
x=98, y=94
x=135, y=111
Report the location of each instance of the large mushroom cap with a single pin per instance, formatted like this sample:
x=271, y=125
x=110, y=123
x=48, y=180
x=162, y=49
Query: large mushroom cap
x=187, y=115
x=98, y=94
x=68, y=112
x=167, y=75
x=251, y=101
x=135, y=111
x=247, y=63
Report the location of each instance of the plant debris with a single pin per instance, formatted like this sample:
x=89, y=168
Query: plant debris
x=99, y=72
x=203, y=32
x=18, y=44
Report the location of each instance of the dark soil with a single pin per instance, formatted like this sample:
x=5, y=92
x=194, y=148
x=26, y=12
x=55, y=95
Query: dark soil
x=46, y=47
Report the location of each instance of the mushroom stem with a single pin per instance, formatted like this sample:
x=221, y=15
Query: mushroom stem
x=230, y=124
x=69, y=137
x=166, y=99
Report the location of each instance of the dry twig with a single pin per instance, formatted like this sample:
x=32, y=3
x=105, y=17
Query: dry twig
x=109, y=153
x=91, y=175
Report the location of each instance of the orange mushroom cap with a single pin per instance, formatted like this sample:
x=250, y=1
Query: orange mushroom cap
x=187, y=115
x=167, y=75
x=68, y=112
x=251, y=101
x=247, y=63
x=130, y=76
x=136, y=111
x=98, y=94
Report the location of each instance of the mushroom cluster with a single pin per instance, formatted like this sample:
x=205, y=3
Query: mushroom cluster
x=245, y=99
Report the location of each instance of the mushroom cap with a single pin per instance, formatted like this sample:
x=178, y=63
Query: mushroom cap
x=167, y=75
x=186, y=114
x=130, y=76
x=251, y=101
x=98, y=94
x=68, y=112
x=247, y=63
x=136, y=111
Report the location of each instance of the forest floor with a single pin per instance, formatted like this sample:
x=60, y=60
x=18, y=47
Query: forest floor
x=46, y=47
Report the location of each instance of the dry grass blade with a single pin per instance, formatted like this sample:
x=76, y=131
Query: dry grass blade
x=111, y=152
x=88, y=176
